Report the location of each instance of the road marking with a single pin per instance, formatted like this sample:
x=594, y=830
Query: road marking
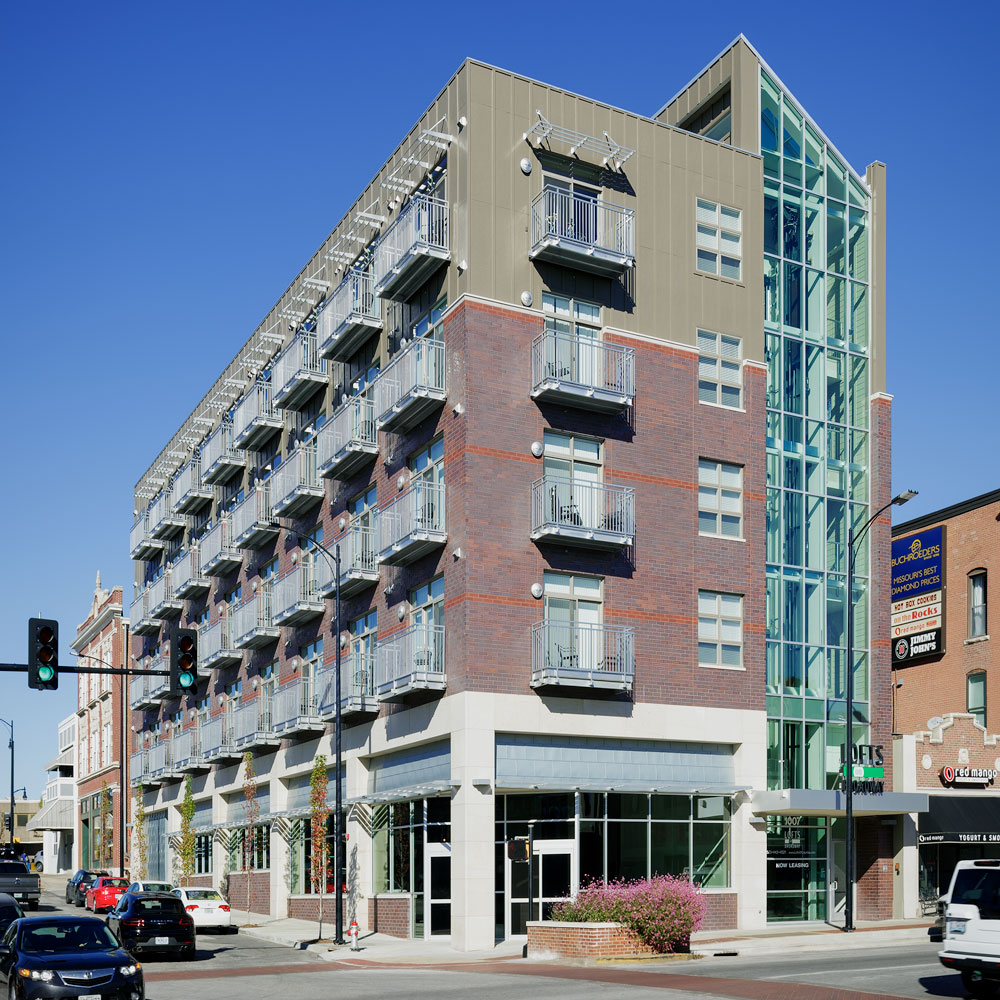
x=840, y=972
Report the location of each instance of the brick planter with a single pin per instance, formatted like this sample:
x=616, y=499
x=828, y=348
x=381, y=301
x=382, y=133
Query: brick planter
x=565, y=939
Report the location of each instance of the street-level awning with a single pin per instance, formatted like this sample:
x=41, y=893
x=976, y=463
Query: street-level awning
x=570, y=785
x=823, y=802
x=961, y=819
x=58, y=814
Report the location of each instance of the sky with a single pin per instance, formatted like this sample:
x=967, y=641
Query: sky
x=167, y=169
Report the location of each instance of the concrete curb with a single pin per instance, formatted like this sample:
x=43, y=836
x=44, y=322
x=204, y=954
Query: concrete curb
x=809, y=942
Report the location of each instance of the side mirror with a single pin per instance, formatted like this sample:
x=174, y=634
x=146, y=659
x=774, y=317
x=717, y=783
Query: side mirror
x=4, y=950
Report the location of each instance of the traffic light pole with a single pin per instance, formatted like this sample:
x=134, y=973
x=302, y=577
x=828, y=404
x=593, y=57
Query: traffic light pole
x=11, y=745
x=22, y=668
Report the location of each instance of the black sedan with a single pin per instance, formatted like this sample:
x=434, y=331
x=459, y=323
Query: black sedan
x=77, y=886
x=67, y=957
x=153, y=922
x=10, y=911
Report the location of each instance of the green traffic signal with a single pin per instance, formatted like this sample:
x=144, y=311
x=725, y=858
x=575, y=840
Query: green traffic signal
x=43, y=654
x=184, y=662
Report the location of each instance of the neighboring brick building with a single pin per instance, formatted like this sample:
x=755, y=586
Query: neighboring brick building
x=627, y=623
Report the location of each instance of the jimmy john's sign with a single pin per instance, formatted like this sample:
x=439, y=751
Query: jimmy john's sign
x=917, y=623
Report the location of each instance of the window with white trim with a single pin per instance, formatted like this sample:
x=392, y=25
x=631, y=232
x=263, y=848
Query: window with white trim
x=720, y=369
x=975, y=696
x=977, y=604
x=719, y=239
x=720, y=629
x=720, y=498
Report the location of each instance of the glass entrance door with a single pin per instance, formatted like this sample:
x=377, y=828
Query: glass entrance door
x=555, y=878
x=838, y=869
x=437, y=883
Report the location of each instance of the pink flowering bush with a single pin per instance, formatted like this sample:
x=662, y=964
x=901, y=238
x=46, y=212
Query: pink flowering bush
x=664, y=912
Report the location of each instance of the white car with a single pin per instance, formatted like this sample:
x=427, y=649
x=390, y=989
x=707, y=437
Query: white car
x=151, y=887
x=206, y=906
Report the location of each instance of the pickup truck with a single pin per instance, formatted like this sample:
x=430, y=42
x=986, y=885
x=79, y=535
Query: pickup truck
x=24, y=886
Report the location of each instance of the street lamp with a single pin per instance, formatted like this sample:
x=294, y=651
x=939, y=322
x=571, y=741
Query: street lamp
x=10, y=746
x=852, y=541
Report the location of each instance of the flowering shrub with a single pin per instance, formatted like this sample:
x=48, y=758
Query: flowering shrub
x=664, y=912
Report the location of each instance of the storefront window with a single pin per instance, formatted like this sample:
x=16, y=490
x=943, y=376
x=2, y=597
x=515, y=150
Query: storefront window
x=796, y=868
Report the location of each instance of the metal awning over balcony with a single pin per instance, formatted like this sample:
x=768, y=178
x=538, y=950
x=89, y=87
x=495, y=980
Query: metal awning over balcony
x=358, y=566
x=295, y=708
x=411, y=386
x=189, y=494
x=295, y=596
x=142, y=545
x=220, y=459
x=580, y=655
x=143, y=623
x=187, y=577
x=161, y=599
x=219, y=556
x=298, y=372
x=187, y=751
x=357, y=687
x=410, y=661
x=216, y=647
x=575, y=512
x=581, y=371
x=412, y=525
x=576, y=230
x=351, y=315
x=252, y=725
x=295, y=485
x=255, y=419
x=163, y=521
x=253, y=625
x=218, y=741
x=412, y=248
x=252, y=523
x=138, y=693
x=348, y=439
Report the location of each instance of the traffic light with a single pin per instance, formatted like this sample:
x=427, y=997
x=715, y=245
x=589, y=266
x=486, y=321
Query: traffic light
x=184, y=662
x=518, y=849
x=6, y=821
x=43, y=654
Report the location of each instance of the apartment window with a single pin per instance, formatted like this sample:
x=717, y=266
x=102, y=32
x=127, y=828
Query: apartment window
x=233, y=597
x=362, y=507
x=719, y=239
x=573, y=615
x=269, y=571
x=720, y=629
x=203, y=854
x=268, y=693
x=364, y=636
x=720, y=377
x=975, y=697
x=720, y=498
x=106, y=745
x=253, y=846
x=429, y=324
x=202, y=617
x=573, y=352
x=977, y=604
x=427, y=618
x=312, y=658
x=427, y=464
x=84, y=758
x=573, y=469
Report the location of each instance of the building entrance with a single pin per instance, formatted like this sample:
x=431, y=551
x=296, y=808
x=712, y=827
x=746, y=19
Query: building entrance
x=554, y=878
x=797, y=864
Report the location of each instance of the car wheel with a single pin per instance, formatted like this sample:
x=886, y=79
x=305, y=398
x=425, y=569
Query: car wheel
x=978, y=987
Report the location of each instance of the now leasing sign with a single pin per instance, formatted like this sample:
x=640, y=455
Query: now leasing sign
x=917, y=623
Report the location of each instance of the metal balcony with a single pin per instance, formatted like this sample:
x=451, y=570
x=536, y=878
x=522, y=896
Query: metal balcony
x=138, y=693
x=255, y=419
x=578, y=655
x=351, y=315
x=252, y=726
x=295, y=485
x=141, y=544
x=220, y=459
x=412, y=248
x=357, y=687
x=163, y=521
x=218, y=742
x=187, y=751
x=410, y=661
x=189, y=493
x=298, y=372
x=143, y=623
x=216, y=647
x=411, y=386
x=296, y=710
x=253, y=625
x=412, y=525
x=187, y=577
x=161, y=599
x=571, y=229
x=138, y=769
x=348, y=439
x=572, y=512
x=251, y=523
x=583, y=372
x=219, y=556
x=160, y=762
x=358, y=566
x=158, y=686
x=295, y=597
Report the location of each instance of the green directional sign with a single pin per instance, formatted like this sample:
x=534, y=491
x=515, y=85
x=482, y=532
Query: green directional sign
x=860, y=772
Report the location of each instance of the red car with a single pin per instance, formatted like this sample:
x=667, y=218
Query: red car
x=104, y=893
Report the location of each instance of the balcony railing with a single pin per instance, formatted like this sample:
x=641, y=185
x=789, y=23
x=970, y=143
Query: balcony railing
x=582, y=371
x=216, y=647
x=357, y=687
x=162, y=601
x=255, y=420
x=187, y=577
x=220, y=459
x=253, y=726
x=143, y=623
x=219, y=556
x=358, y=565
x=348, y=439
x=412, y=248
x=138, y=768
x=577, y=231
x=218, y=741
x=573, y=512
x=189, y=493
x=252, y=523
x=59, y=788
x=411, y=387
x=296, y=485
x=187, y=751
x=141, y=543
x=160, y=761
x=411, y=660
x=579, y=655
x=352, y=314
x=412, y=525
x=298, y=372
x=164, y=522
x=295, y=597
x=158, y=685
x=296, y=709
x=253, y=624
x=138, y=692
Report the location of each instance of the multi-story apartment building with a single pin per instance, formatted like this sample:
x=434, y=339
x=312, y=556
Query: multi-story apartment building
x=584, y=400
x=101, y=641
x=56, y=820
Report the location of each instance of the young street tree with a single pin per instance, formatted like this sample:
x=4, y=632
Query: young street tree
x=252, y=809
x=186, y=848
x=319, y=813
x=139, y=843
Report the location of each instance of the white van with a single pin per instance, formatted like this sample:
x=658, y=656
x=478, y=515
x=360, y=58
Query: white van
x=972, y=926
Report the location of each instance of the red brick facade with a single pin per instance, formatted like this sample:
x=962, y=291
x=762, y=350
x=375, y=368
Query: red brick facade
x=875, y=868
x=720, y=911
x=260, y=891
x=389, y=915
x=957, y=742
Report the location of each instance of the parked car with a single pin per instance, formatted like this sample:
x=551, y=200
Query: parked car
x=66, y=956
x=103, y=892
x=24, y=886
x=972, y=926
x=77, y=886
x=9, y=911
x=153, y=921
x=206, y=906
x=151, y=887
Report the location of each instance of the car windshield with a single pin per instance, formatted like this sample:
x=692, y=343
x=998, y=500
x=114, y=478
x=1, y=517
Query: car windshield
x=12, y=867
x=114, y=882
x=9, y=912
x=979, y=887
x=158, y=887
x=164, y=906
x=83, y=935
x=203, y=894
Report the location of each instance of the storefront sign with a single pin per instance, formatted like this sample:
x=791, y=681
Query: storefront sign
x=917, y=623
x=981, y=776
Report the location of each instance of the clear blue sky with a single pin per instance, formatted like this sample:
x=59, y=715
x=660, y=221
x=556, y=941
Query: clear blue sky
x=167, y=169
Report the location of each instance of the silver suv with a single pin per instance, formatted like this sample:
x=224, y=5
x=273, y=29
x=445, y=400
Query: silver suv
x=972, y=926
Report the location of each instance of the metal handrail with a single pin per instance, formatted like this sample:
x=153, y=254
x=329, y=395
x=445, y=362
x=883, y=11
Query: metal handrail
x=357, y=680
x=418, y=369
x=582, y=361
x=301, y=355
x=253, y=613
x=254, y=510
x=353, y=301
x=352, y=425
x=218, y=542
x=216, y=638
x=416, y=650
x=573, y=503
x=420, y=508
x=298, y=585
x=590, y=223
x=298, y=469
x=257, y=402
x=422, y=225
x=582, y=651
x=219, y=445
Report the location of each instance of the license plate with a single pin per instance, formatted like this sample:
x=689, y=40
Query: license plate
x=89, y=996
x=161, y=940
